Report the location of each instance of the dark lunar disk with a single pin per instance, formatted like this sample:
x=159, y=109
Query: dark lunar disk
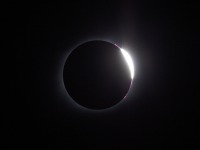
x=96, y=75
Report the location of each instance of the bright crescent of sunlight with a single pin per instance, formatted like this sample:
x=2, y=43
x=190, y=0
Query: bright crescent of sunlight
x=129, y=62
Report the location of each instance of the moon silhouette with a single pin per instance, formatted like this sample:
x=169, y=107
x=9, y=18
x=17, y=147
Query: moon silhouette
x=98, y=74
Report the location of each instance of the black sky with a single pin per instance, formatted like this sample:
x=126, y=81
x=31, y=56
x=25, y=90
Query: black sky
x=162, y=106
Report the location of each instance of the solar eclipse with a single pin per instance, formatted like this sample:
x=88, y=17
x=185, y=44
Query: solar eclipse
x=98, y=74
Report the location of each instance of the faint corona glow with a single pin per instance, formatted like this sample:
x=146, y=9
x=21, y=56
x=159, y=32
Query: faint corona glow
x=129, y=61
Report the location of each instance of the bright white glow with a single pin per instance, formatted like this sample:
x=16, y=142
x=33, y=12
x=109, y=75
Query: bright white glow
x=129, y=61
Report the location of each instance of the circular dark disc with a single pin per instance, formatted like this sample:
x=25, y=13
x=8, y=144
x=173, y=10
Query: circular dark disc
x=96, y=75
